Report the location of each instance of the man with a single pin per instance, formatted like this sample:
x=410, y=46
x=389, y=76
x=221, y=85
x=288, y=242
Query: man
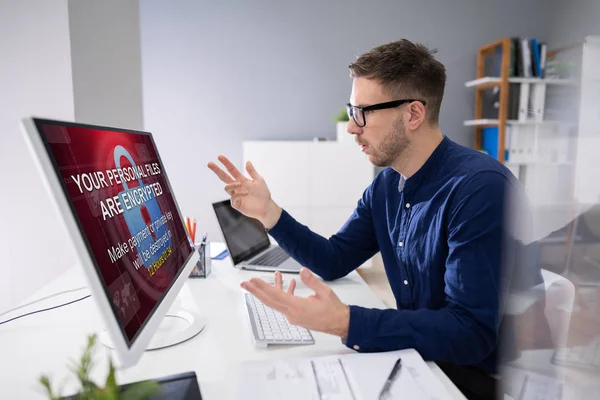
x=435, y=214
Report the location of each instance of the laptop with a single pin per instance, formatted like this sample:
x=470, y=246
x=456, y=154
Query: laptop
x=248, y=243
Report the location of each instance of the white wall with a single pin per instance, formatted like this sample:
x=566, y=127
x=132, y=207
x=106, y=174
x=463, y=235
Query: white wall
x=106, y=60
x=218, y=73
x=35, y=79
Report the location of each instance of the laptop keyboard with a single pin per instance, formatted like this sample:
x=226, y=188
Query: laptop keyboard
x=272, y=258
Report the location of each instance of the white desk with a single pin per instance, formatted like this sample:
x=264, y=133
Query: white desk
x=44, y=343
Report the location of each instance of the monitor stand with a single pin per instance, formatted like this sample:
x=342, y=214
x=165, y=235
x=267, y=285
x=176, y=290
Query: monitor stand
x=178, y=325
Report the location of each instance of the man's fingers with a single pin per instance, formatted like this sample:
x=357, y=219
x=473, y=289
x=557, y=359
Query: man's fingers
x=313, y=282
x=291, y=287
x=252, y=171
x=223, y=176
x=237, y=175
x=236, y=201
x=269, y=295
x=235, y=188
x=278, y=280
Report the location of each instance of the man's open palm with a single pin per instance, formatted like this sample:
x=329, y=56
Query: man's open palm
x=251, y=197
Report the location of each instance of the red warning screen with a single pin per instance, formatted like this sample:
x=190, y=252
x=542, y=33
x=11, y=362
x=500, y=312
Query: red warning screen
x=121, y=198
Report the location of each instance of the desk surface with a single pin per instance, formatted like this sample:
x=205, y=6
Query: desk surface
x=45, y=343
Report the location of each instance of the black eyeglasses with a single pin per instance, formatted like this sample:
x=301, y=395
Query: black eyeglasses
x=358, y=113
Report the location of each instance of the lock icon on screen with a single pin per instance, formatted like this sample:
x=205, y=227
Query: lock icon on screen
x=140, y=216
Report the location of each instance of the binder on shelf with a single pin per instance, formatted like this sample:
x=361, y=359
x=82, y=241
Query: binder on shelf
x=538, y=96
x=491, y=140
x=524, y=102
x=523, y=144
x=531, y=143
x=514, y=57
x=519, y=58
x=535, y=57
x=517, y=153
x=543, y=58
x=526, y=58
x=509, y=144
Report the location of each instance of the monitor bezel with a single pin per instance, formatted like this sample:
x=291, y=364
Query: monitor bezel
x=128, y=351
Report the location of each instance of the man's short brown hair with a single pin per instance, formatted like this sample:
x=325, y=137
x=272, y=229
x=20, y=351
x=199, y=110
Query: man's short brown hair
x=406, y=70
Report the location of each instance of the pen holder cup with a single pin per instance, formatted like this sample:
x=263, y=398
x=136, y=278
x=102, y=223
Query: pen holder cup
x=202, y=267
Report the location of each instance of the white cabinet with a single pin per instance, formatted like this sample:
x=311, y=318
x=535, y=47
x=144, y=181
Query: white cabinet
x=284, y=165
x=318, y=183
x=339, y=174
x=327, y=220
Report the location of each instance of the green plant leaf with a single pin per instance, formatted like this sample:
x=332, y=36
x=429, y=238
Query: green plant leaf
x=45, y=382
x=342, y=116
x=111, y=386
x=105, y=395
x=89, y=390
x=84, y=367
x=140, y=390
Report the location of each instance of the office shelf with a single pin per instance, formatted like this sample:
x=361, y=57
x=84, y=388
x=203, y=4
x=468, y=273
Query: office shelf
x=491, y=81
x=485, y=82
x=481, y=122
x=548, y=81
x=494, y=122
x=547, y=163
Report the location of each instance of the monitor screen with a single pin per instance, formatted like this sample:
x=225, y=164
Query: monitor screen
x=120, y=196
x=244, y=236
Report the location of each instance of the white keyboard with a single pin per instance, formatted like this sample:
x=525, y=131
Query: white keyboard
x=271, y=327
x=579, y=356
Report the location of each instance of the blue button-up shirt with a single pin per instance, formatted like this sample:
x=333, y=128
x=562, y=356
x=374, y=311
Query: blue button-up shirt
x=440, y=236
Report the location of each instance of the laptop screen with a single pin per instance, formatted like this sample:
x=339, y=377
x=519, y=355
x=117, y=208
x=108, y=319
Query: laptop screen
x=244, y=236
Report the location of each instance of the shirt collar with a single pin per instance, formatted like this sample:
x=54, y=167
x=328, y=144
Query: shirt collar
x=431, y=163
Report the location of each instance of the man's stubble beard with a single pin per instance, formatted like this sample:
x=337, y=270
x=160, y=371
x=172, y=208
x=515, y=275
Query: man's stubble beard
x=392, y=147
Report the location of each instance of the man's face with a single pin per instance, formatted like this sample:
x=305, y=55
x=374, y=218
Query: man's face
x=384, y=137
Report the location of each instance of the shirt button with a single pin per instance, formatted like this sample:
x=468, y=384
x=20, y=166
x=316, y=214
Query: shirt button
x=356, y=347
x=400, y=244
x=405, y=282
x=407, y=205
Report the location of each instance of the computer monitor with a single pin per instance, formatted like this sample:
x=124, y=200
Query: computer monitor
x=113, y=194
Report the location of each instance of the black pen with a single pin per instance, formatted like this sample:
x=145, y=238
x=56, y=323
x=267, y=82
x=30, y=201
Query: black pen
x=390, y=379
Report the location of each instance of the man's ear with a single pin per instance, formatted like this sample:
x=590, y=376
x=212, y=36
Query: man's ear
x=417, y=117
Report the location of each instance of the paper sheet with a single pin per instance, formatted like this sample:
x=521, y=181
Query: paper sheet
x=291, y=379
x=414, y=381
x=332, y=379
x=353, y=376
x=527, y=385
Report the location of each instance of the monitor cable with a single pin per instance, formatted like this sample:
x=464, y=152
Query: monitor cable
x=44, y=309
